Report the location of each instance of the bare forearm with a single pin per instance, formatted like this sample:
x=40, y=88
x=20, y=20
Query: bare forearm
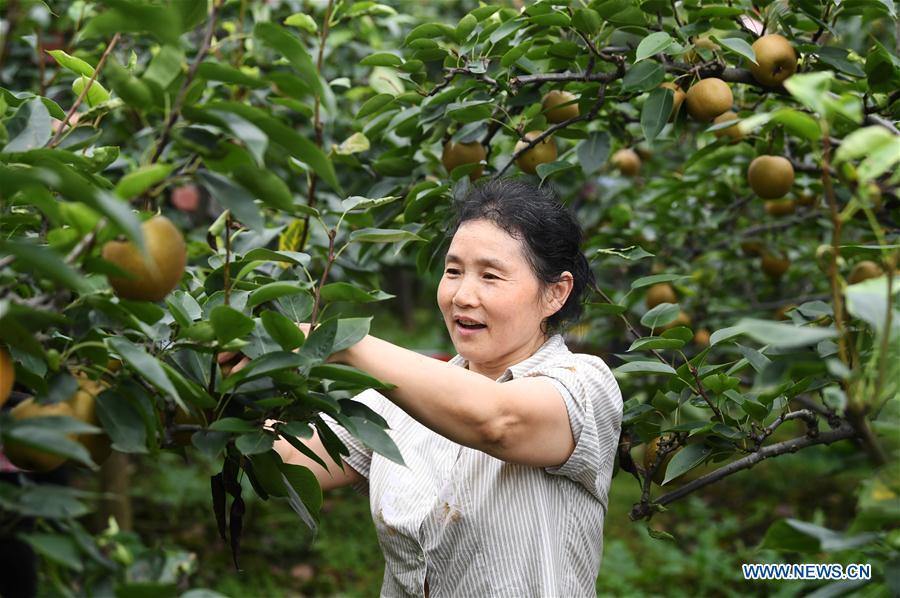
x=454, y=402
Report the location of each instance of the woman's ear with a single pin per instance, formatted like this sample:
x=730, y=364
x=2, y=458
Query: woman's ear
x=559, y=291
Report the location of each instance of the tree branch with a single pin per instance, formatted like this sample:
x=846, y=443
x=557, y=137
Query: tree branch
x=62, y=127
x=643, y=509
x=189, y=78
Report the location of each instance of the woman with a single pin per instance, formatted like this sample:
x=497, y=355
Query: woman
x=509, y=447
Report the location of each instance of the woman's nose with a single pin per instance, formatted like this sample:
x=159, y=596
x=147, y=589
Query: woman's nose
x=465, y=293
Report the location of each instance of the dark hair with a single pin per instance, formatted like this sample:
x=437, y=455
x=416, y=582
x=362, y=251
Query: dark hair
x=551, y=235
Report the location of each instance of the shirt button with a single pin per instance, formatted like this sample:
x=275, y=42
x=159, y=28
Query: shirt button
x=421, y=557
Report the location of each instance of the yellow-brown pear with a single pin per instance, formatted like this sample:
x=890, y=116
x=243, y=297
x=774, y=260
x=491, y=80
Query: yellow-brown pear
x=458, y=154
x=7, y=375
x=708, y=98
x=542, y=153
x=627, y=161
x=770, y=177
x=776, y=60
x=155, y=275
x=554, y=109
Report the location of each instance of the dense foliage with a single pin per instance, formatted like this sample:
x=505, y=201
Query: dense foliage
x=302, y=150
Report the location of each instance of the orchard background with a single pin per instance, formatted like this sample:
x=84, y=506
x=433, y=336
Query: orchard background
x=301, y=149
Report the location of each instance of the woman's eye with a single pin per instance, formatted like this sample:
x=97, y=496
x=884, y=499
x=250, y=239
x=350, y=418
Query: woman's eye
x=452, y=271
x=488, y=275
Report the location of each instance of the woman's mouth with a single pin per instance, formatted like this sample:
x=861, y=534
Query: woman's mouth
x=469, y=327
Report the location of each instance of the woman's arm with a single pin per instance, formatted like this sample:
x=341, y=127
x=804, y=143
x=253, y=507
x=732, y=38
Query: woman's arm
x=334, y=477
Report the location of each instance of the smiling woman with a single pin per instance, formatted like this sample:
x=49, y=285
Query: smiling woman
x=509, y=446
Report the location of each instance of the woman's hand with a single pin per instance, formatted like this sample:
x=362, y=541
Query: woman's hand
x=231, y=362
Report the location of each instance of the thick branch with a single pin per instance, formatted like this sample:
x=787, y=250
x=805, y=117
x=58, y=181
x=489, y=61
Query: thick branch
x=877, y=120
x=643, y=509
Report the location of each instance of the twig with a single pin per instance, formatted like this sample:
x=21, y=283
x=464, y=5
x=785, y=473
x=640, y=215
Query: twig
x=315, y=311
x=451, y=74
x=877, y=120
x=643, y=509
x=317, y=122
x=189, y=78
x=563, y=77
x=812, y=425
x=589, y=115
x=62, y=127
x=86, y=243
x=702, y=391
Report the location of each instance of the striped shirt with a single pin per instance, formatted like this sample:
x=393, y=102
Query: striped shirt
x=478, y=526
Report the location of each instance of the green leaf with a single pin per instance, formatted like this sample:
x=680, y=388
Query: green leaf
x=273, y=290
x=29, y=128
x=373, y=436
x=880, y=160
x=777, y=334
x=349, y=332
x=263, y=366
x=56, y=547
x=305, y=495
x=684, y=460
x=646, y=281
x=653, y=44
x=661, y=315
x=52, y=434
x=344, y=291
x=643, y=76
x=374, y=105
x=810, y=89
x=593, y=152
x=737, y=46
x=645, y=367
x=278, y=38
x=261, y=253
x=656, y=111
x=382, y=235
x=73, y=63
x=135, y=183
x=123, y=16
x=302, y=21
x=364, y=203
x=587, y=21
x=783, y=536
x=381, y=59
x=862, y=141
x=298, y=145
x=655, y=342
x=254, y=443
x=345, y=373
x=218, y=71
x=868, y=301
x=229, y=323
x=545, y=171
x=233, y=198
x=40, y=259
x=165, y=67
x=265, y=185
x=282, y=329
x=122, y=422
x=233, y=425
x=145, y=365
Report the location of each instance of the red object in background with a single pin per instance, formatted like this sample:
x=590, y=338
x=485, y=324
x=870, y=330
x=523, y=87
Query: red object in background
x=186, y=198
x=441, y=356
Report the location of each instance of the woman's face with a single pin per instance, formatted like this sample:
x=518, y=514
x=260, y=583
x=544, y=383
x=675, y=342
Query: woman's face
x=488, y=280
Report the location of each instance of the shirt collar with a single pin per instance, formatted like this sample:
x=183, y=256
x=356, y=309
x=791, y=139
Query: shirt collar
x=553, y=345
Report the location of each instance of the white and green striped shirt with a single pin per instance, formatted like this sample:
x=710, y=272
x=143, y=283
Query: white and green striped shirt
x=478, y=526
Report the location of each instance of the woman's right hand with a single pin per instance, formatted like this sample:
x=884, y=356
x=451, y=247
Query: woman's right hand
x=231, y=362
